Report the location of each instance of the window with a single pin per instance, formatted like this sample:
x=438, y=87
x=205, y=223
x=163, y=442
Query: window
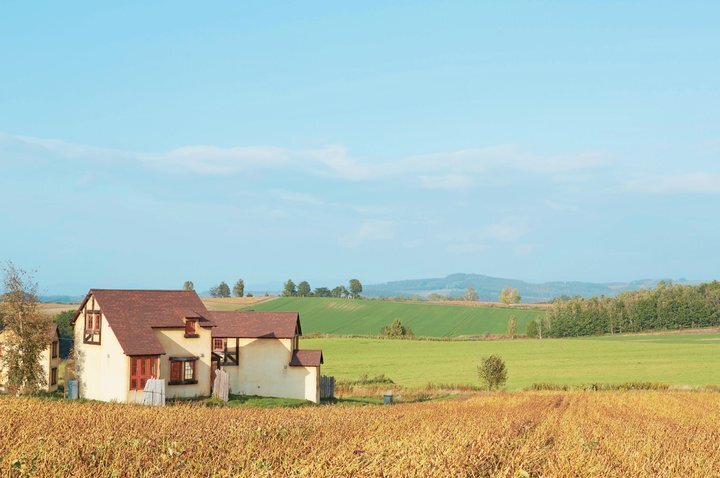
x=55, y=349
x=93, y=320
x=53, y=376
x=219, y=345
x=191, y=328
x=142, y=369
x=182, y=370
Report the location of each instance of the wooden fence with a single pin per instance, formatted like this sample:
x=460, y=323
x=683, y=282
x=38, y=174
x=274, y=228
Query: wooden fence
x=327, y=387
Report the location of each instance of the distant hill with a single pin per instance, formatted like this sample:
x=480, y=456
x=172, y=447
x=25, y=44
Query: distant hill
x=488, y=288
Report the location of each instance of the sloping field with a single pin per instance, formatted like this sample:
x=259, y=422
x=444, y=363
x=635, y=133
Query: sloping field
x=367, y=317
x=675, y=359
x=659, y=434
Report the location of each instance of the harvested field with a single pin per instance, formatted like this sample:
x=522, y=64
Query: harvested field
x=502, y=434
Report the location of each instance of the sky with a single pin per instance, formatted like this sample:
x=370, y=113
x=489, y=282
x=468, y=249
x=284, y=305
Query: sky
x=146, y=143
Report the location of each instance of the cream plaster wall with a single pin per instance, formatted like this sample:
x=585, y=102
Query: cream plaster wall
x=264, y=371
x=176, y=345
x=103, y=371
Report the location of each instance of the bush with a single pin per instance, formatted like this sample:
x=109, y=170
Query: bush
x=396, y=329
x=492, y=372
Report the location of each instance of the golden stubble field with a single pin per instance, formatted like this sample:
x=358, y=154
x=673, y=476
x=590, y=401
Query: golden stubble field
x=504, y=434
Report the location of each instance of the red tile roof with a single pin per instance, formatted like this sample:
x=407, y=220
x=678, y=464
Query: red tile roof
x=255, y=324
x=306, y=358
x=132, y=315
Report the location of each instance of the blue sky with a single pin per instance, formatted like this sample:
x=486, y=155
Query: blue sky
x=144, y=145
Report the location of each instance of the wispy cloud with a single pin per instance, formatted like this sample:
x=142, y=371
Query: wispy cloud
x=692, y=183
x=449, y=170
x=300, y=198
x=377, y=230
x=446, y=181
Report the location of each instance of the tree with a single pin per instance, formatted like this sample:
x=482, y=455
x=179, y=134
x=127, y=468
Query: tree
x=322, y=292
x=303, y=289
x=28, y=332
x=221, y=290
x=239, y=288
x=471, y=295
x=289, y=289
x=512, y=326
x=188, y=285
x=510, y=296
x=340, y=291
x=492, y=372
x=396, y=329
x=355, y=288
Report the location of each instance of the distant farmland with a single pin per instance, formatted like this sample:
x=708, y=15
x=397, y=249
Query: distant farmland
x=367, y=317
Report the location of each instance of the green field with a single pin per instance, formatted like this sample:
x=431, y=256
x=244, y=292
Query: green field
x=367, y=317
x=676, y=359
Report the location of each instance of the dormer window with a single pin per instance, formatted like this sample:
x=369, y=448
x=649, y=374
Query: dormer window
x=191, y=328
x=93, y=322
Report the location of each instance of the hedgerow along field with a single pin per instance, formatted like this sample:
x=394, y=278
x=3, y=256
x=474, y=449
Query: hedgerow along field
x=674, y=359
x=499, y=434
x=367, y=317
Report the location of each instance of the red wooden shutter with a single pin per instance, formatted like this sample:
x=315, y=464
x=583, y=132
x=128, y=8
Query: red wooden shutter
x=176, y=371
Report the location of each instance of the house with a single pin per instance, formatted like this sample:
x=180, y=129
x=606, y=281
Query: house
x=125, y=337
x=49, y=359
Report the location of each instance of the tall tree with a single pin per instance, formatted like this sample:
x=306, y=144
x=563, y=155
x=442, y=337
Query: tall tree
x=355, y=288
x=188, y=285
x=289, y=289
x=510, y=296
x=28, y=329
x=221, y=290
x=340, y=291
x=512, y=326
x=239, y=288
x=471, y=295
x=303, y=289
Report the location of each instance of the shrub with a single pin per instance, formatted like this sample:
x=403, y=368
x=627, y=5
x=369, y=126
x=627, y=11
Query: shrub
x=492, y=372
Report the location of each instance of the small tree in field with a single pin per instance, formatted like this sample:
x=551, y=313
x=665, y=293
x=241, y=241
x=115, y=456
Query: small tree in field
x=28, y=332
x=188, y=285
x=510, y=296
x=239, y=288
x=492, y=372
x=471, y=295
x=303, y=289
x=512, y=327
x=355, y=288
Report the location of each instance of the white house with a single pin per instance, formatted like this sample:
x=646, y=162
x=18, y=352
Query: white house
x=125, y=337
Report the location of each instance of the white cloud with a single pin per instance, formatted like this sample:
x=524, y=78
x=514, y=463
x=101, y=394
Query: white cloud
x=301, y=198
x=560, y=207
x=693, y=183
x=369, y=231
x=467, y=248
x=214, y=160
x=446, y=181
x=450, y=170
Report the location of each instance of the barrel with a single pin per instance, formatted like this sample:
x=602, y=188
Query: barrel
x=72, y=388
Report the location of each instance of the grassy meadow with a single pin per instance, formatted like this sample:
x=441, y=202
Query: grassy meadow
x=675, y=359
x=367, y=317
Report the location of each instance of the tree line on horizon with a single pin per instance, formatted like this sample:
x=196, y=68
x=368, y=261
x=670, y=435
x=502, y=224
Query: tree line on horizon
x=666, y=307
x=303, y=289
x=290, y=289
